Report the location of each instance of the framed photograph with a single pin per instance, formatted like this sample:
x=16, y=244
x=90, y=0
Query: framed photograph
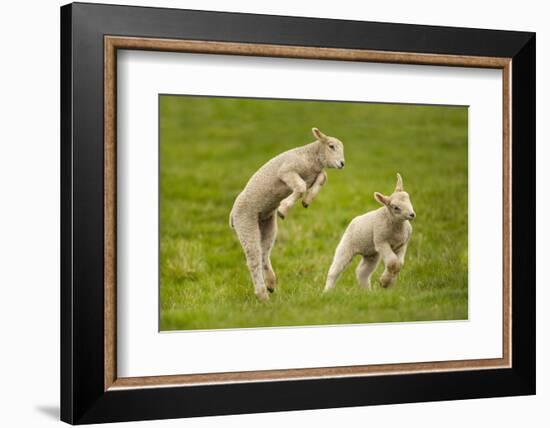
x=266, y=213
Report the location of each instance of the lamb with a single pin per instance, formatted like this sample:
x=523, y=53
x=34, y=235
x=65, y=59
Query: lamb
x=384, y=232
x=275, y=188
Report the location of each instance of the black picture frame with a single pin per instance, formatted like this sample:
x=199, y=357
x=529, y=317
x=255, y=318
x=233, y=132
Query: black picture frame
x=83, y=398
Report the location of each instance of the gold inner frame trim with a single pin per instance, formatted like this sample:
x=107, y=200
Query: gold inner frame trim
x=113, y=43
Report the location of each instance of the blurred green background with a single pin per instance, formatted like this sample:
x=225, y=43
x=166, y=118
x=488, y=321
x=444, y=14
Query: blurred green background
x=209, y=148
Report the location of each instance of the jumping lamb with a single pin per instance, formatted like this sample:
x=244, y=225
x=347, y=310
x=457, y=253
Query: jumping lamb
x=275, y=188
x=384, y=233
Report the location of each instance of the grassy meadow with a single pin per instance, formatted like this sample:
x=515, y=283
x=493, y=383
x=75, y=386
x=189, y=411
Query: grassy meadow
x=209, y=148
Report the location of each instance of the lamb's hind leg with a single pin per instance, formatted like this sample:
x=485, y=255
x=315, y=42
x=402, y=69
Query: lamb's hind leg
x=268, y=232
x=342, y=257
x=364, y=270
x=248, y=232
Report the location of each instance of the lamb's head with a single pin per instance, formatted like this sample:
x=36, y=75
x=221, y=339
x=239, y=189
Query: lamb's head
x=398, y=203
x=331, y=153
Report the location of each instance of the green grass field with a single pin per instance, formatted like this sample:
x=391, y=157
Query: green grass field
x=209, y=148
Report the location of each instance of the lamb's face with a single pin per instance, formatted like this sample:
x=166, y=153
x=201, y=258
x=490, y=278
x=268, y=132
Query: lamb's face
x=400, y=206
x=334, y=153
x=398, y=203
x=332, y=150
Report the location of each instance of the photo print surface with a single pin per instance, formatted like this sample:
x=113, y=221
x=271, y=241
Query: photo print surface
x=278, y=213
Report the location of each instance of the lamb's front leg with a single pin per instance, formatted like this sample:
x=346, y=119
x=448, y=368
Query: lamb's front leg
x=320, y=180
x=364, y=270
x=401, y=254
x=391, y=262
x=298, y=187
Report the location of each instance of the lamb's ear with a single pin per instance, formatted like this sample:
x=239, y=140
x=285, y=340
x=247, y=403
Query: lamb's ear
x=399, y=184
x=384, y=200
x=318, y=134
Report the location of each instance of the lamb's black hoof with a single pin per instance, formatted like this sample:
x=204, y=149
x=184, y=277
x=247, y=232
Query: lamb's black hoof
x=271, y=290
x=280, y=215
x=305, y=205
